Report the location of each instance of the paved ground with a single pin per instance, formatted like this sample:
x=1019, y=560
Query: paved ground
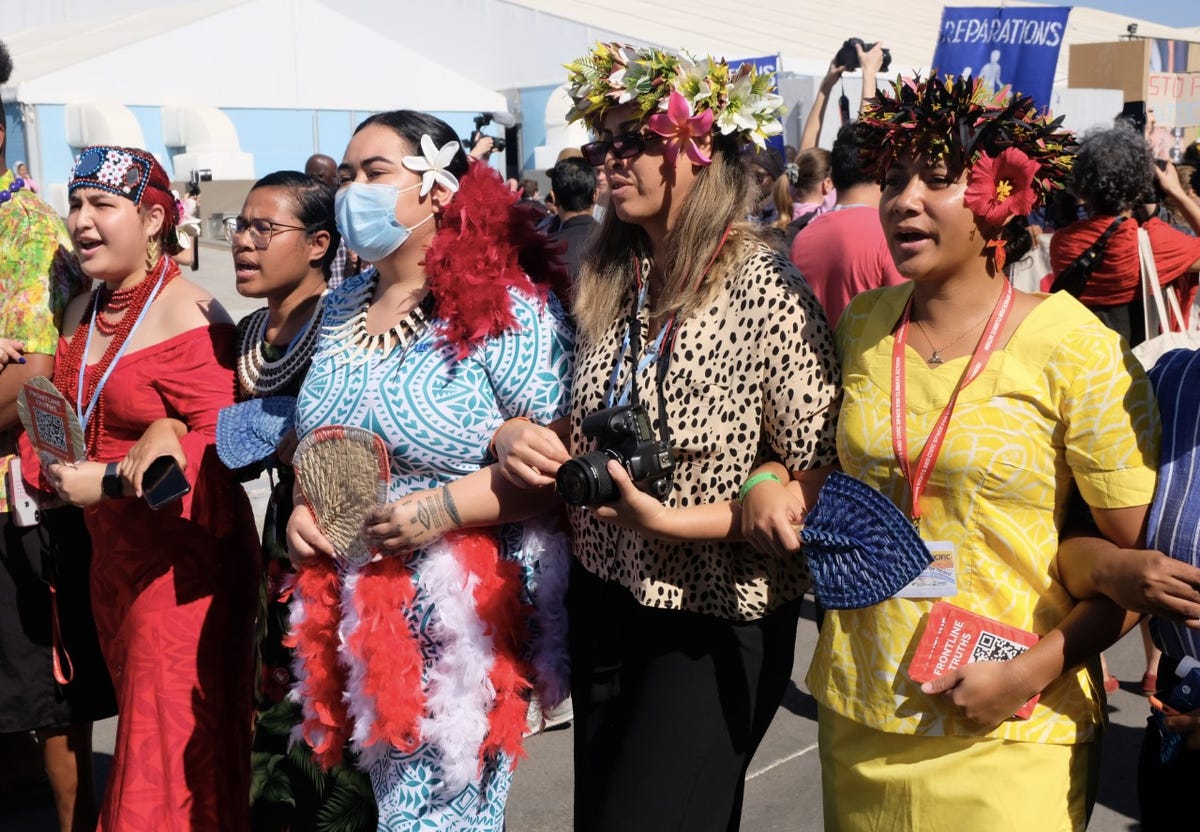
x=783, y=786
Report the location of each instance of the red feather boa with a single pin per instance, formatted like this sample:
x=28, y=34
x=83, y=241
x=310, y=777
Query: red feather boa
x=315, y=640
x=498, y=600
x=486, y=244
x=387, y=648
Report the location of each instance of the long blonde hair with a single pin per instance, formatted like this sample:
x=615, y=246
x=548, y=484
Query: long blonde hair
x=718, y=200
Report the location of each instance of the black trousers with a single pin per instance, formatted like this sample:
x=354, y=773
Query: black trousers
x=1165, y=790
x=669, y=708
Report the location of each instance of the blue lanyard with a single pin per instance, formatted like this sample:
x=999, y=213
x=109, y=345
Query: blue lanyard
x=651, y=356
x=84, y=415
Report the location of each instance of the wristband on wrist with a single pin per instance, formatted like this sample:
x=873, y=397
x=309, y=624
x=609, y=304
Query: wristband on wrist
x=492, y=445
x=110, y=485
x=755, y=480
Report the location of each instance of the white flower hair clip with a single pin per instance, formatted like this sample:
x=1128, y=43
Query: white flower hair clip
x=431, y=165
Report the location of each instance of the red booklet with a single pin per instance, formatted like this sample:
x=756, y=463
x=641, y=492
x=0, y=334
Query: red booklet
x=953, y=637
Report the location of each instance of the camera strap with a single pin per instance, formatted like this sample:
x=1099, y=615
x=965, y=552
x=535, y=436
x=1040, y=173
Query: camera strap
x=660, y=351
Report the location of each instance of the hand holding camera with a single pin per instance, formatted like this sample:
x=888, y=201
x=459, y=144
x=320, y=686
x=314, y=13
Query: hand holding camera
x=623, y=434
x=854, y=52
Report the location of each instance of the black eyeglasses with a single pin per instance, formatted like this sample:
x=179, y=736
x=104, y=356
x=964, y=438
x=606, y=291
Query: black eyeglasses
x=262, y=231
x=624, y=146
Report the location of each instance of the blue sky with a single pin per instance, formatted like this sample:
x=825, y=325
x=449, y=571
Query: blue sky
x=1168, y=12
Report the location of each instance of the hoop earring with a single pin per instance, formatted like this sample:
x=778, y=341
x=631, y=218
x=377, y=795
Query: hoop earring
x=153, y=252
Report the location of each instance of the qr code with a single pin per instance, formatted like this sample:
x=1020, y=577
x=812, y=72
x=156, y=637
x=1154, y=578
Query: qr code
x=50, y=429
x=993, y=648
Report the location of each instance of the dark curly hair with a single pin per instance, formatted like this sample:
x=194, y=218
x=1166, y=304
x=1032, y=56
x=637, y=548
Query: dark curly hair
x=1113, y=171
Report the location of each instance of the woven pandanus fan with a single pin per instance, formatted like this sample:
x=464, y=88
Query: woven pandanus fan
x=343, y=473
x=861, y=549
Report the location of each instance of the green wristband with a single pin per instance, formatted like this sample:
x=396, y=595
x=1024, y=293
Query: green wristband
x=755, y=480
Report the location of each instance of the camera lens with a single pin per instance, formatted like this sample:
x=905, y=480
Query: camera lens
x=584, y=480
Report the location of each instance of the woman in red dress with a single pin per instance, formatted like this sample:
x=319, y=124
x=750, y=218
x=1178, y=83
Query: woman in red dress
x=148, y=362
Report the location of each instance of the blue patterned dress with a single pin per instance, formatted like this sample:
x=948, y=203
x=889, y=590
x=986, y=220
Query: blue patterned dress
x=438, y=416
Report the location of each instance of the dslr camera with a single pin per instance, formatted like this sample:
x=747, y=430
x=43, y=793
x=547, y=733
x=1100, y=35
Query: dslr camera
x=847, y=56
x=481, y=121
x=622, y=433
x=198, y=175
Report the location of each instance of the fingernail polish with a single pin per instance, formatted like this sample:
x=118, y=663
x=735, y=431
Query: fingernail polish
x=21, y=360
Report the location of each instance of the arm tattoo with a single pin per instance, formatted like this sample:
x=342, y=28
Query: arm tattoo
x=451, y=508
x=430, y=513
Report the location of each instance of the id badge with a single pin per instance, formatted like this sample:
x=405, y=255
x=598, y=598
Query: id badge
x=938, y=579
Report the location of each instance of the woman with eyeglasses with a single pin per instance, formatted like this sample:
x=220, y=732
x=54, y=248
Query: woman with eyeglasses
x=147, y=362
x=425, y=657
x=703, y=353
x=283, y=244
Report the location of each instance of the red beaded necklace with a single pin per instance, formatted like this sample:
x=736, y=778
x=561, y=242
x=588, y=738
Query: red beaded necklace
x=66, y=373
x=112, y=303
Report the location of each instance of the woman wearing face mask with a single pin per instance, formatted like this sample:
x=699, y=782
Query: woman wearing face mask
x=427, y=663
x=682, y=633
x=172, y=588
x=283, y=241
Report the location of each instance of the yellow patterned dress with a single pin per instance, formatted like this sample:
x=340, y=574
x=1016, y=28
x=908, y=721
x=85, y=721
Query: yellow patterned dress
x=1062, y=403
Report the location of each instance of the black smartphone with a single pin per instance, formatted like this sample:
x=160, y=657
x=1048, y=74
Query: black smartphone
x=164, y=482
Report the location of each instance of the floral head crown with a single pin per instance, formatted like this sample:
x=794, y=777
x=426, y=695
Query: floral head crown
x=679, y=96
x=1016, y=156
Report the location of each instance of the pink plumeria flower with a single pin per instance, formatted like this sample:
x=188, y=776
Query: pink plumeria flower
x=681, y=129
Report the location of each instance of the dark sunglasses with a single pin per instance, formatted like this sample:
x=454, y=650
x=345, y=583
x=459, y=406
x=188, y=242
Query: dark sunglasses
x=624, y=146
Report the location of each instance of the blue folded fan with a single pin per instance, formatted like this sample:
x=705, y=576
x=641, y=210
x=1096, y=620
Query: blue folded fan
x=861, y=549
x=249, y=431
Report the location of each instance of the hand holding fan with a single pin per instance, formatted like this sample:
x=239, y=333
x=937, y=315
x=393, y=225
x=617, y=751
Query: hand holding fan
x=861, y=549
x=343, y=472
x=50, y=422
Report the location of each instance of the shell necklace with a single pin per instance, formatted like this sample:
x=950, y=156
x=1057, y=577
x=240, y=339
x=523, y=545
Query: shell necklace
x=360, y=344
x=260, y=376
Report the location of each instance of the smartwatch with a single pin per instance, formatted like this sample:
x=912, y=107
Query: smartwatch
x=111, y=486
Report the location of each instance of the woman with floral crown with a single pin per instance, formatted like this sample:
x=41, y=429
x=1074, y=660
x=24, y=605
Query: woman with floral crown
x=147, y=361
x=977, y=409
x=425, y=657
x=682, y=633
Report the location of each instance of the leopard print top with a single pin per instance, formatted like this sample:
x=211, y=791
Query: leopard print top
x=754, y=377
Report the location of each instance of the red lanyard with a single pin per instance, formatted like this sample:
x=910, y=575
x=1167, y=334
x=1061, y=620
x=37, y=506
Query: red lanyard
x=983, y=350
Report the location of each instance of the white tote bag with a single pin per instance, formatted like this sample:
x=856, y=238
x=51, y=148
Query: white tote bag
x=1163, y=313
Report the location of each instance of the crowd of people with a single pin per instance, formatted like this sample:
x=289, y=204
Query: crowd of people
x=531, y=464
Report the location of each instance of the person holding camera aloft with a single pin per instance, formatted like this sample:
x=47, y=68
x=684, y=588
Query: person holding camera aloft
x=702, y=355
x=146, y=360
x=854, y=54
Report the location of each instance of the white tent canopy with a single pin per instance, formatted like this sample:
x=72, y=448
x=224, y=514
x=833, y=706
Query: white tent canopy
x=276, y=54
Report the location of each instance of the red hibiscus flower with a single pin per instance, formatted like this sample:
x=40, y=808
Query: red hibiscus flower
x=1002, y=186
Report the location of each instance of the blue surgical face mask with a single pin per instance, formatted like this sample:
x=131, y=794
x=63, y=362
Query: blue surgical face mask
x=366, y=218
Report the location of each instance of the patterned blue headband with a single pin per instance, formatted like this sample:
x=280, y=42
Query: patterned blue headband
x=122, y=171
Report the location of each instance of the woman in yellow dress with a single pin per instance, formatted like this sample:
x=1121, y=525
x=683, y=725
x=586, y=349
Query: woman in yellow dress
x=976, y=408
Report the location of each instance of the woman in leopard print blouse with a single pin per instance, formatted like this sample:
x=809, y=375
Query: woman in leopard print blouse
x=682, y=631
